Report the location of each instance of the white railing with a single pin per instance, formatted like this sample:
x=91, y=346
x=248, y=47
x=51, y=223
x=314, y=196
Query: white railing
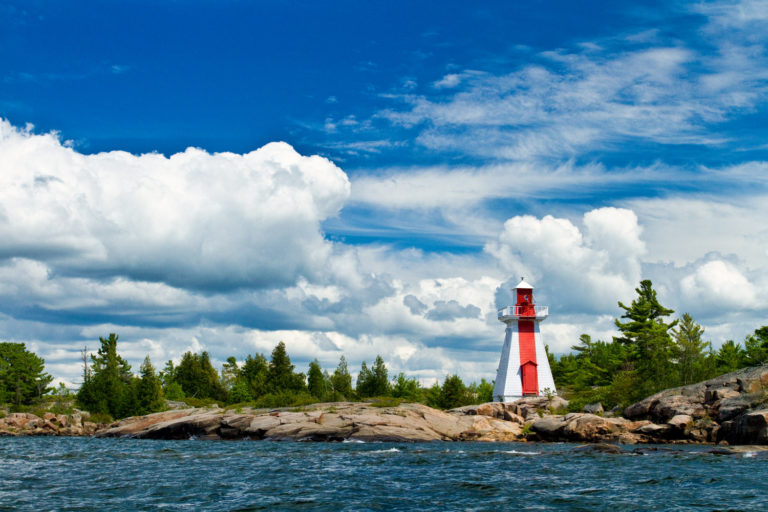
x=523, y=312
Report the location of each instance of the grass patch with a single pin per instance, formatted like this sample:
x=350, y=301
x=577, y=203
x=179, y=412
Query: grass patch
x=386, y=401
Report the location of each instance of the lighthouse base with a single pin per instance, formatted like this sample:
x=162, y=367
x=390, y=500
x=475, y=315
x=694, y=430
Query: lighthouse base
x=523, y=367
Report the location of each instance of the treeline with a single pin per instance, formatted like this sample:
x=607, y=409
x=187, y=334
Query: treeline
x=109, y=387
x=650, y=354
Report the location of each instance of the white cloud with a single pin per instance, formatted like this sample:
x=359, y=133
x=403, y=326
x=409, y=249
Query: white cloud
x=580, y=270
x=719, y=284
x=194, y=220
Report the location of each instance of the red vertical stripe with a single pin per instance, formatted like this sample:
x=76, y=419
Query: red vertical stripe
x=527, y=339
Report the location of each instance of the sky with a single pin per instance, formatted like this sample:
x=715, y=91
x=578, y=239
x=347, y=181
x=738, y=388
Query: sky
x=362, y=178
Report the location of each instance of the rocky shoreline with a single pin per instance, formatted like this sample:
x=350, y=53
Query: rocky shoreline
x=730, y=409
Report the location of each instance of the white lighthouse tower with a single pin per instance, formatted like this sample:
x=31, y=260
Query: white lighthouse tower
x=524, y=367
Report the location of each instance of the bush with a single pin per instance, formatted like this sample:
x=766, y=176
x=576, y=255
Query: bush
x=284, y=399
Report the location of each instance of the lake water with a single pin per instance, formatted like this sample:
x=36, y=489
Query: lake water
x=124, y=474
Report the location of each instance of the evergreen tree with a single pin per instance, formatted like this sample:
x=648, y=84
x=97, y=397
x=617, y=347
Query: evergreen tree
x=109, y=388
x=373, y=381
x=22, y=376
x=341, y=380
x=454, y=393
x=730, y=357
x=150, y=390
x=756, y=345
x=198, y=378
x=316, y=380
x=407, y=388
x=364, y=387
x=380, y=384
x=280, y=375
x=230, y=372
x=690, y=351
x=649, y=345
x=254, y=373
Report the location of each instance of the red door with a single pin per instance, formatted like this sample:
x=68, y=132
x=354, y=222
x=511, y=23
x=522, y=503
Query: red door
x=530, y=379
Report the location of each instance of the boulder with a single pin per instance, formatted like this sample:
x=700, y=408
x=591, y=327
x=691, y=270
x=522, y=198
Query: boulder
x=596, y=408
x=549, y=427
x=589, y=427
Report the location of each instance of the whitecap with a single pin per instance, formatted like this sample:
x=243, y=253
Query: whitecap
x=515, y=452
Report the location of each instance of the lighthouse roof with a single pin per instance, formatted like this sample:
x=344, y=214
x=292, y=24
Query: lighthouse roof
x=522, y=284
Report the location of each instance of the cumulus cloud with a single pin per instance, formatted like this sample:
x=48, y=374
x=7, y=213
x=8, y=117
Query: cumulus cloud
x=719, y=284
x=193, y=220
x=584, y=269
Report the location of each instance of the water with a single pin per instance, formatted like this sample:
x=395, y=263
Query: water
x=123, y=474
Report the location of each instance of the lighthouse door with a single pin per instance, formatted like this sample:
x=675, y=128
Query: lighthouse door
x=530, y=378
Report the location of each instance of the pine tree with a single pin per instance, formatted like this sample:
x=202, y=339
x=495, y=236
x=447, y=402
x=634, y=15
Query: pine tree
x=730, y=357
x=280, y=376
x=316, y=380
x=254, y=373
x=198, y=378
x=341, y=380
x=690, y=351
x=150, y=390
x=407, y=388
x=380, y=385
x=364, y=386
x=649, y=345
x=756, y=345
x=22, y=376
x=109, y=389
x=454, y=393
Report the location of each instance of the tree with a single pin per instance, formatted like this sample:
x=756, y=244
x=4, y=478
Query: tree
x=730, y=357
x=254, y=373
x=22, y=376
x=198, y=378
x=649, y=345
x=341, y=380
x=690, y=351
x=316, y=380
x=229, y=373
x=364, y=381
x=171, y=387
x=108, y=389
x=454, y=393
x=756, y=345
x=150, y=390
x=374, y=381
x=407, y=388
x=280, y=375
x=483, y=391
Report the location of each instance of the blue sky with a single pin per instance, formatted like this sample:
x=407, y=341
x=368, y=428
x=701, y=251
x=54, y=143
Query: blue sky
x=370, y=177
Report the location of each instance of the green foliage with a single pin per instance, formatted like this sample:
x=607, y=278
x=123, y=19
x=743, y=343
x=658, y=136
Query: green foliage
x=454, y=393
x=649, y=355
x=108, y=388
x=285, y=398
x=730, y=357
x=374, y=381
x=756, y=345
x=254, y=374
x=280, y=374
x=341, y=380
x=649, y=345
x=691, y=352
x=317, y=383
x=407, y=388
x=198, y=378
x=483, y=392
x=149, y=392
x=22, y=376
x=387, y=401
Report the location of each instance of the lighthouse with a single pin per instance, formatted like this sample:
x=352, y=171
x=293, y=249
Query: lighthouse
x=523, y=367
